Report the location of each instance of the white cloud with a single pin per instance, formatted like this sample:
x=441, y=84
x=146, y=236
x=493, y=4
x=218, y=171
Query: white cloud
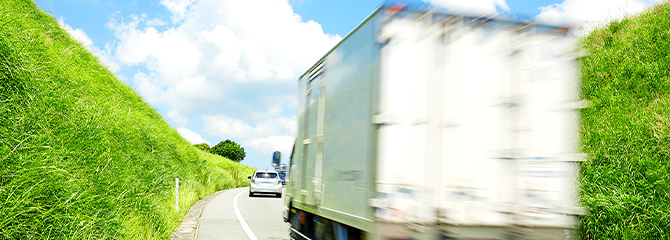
x=236, y=58
x=472, y=6
x=177, y=118
x=178, y=8
x=245, y=41
x=590, y=14
x=226, y=127
x=147, y=88
x=191, y=136
x=170, y=52
x=270, y=144
x=156, y=23
x=80, y=35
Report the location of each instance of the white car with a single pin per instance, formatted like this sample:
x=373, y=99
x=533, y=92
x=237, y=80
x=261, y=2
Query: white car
x=265, y=181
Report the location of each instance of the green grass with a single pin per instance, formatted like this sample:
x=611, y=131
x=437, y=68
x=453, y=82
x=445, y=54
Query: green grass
x=626, y=129
x=81, y=155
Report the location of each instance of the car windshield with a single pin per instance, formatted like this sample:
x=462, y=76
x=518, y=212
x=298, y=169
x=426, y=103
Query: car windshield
x=266, y=175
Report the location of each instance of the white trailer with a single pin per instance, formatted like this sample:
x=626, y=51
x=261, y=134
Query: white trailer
x=424, y=124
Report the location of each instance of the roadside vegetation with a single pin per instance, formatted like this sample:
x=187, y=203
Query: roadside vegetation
x=229, y=149
x=626, y=129
x=82, y=156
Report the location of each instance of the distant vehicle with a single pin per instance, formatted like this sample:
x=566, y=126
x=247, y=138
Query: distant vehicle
x=429, y=124
x=282, y=176
x=265, y=181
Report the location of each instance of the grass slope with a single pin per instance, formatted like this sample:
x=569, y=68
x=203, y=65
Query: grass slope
x=81, y=155
x=626, y=130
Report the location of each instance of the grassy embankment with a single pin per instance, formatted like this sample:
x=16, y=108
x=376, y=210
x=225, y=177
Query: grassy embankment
x=81, y=155
x=626, y=129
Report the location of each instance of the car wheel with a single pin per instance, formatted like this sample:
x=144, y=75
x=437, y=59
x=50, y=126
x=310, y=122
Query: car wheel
x=251, y=194
x=278, y=195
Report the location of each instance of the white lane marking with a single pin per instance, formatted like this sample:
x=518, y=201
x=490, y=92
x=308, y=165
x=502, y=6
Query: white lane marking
x=246, y=228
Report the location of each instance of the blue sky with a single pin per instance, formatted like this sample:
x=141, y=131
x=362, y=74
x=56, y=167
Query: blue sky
x=227, y=69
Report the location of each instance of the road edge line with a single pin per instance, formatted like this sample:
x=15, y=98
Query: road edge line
x=246, y=228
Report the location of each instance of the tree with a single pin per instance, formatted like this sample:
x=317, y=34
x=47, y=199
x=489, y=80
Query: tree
x=202, y=146
x=230, y=150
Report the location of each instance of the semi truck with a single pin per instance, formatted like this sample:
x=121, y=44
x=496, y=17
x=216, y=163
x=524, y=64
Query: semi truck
x=423, y=123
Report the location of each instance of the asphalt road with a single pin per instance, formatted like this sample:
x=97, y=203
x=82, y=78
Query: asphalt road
x=262, y=214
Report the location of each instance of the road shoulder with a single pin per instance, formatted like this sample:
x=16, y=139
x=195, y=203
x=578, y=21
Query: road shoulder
x=188, y=227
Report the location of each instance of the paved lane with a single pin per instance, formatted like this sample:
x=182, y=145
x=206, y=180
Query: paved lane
x=262, y=213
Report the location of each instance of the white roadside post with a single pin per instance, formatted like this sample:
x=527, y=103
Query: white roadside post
x=176, y=194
